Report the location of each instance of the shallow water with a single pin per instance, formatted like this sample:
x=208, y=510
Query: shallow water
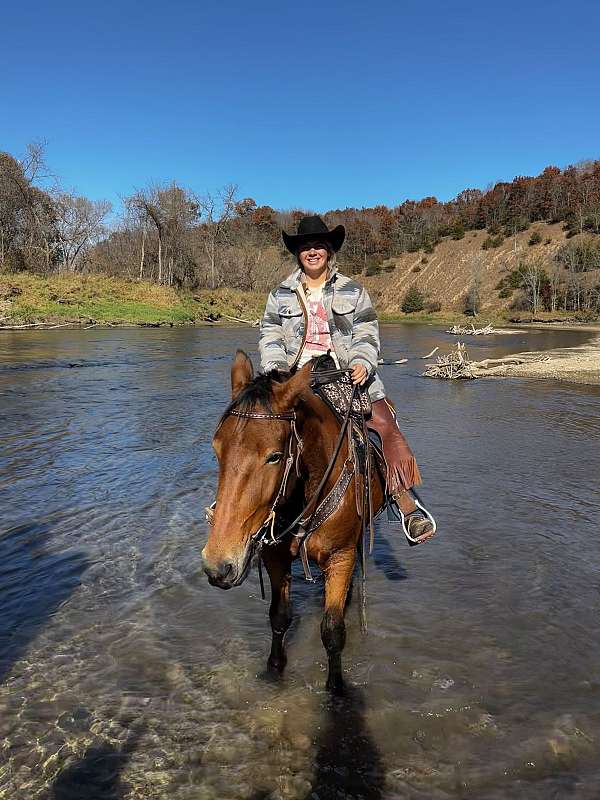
x=124, y=675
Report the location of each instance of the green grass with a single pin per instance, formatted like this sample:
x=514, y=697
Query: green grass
x=26, y=298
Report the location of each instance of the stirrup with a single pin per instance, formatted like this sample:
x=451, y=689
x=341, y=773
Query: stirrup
x=209, y=512
x=396, y=514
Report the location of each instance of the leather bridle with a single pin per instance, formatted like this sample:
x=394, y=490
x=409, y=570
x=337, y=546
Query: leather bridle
x=266, y=534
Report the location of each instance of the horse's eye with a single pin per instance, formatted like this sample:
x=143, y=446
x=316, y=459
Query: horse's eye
x=274, y=458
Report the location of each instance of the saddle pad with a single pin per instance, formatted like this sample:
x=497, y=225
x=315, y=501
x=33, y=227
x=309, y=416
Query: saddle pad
x=335, y=387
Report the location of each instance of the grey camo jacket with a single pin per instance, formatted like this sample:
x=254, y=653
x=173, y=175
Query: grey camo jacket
x=352, y=323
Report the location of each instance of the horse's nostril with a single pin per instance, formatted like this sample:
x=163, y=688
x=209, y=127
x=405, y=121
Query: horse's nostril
x=218, y=572
x=225, y=569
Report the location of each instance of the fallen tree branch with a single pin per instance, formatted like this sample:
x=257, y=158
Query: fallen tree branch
x=47, y=326
x=254, y=323
x=492, y=363
x=435, y=349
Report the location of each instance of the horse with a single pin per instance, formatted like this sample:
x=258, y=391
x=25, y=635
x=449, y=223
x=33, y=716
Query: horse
x=278, y=446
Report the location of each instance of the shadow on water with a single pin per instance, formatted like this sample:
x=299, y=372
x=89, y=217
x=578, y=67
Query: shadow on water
x=96, y=776
x=385, y=558
x=347, y=763
x=33, y=585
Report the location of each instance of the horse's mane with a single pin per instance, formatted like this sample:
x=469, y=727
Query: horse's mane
x=259, y=392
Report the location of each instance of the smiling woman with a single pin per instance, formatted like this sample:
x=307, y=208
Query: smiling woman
x=316, y=310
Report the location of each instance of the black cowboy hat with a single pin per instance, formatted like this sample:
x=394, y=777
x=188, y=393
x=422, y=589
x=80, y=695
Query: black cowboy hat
x=314, y=228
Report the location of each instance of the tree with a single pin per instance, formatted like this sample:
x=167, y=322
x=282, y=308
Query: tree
x=172, y=211
x=79, y=225
x=533, y=278
x=413, y=301
x=473, y=298
x=555, y=279
x=27, y=229
x=216, y=211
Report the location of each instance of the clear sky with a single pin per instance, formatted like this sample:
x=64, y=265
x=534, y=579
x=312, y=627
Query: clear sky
x=311, y=105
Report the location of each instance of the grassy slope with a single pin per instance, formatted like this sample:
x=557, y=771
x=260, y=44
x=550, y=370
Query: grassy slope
x=28, y=298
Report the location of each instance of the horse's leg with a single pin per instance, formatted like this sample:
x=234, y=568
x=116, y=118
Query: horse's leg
x=338, y=575
x=278, y=562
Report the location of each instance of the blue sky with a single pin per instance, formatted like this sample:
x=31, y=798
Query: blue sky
x=305, y=105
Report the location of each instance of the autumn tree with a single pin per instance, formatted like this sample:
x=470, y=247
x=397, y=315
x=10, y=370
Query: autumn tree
x=533, y=278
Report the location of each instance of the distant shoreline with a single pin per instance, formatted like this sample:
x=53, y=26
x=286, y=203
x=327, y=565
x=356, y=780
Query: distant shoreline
x=95, y=302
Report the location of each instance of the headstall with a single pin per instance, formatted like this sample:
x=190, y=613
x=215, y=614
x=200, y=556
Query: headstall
x=266, y=532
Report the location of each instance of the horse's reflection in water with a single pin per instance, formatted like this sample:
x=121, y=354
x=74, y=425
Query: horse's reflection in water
x=347, y=762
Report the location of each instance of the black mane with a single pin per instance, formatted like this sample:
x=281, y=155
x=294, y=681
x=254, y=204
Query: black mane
x=258, y=393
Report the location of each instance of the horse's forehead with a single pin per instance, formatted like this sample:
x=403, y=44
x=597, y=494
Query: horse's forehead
x=248, y=433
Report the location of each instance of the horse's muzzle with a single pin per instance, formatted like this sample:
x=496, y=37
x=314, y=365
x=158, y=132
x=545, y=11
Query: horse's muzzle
x=221, y=574
x=229, y=571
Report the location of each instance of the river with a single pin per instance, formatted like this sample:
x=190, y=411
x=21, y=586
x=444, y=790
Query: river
x=123, y=674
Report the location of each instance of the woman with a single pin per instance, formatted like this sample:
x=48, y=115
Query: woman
x=317, y=309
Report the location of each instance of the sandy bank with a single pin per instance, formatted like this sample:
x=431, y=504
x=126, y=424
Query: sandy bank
x=580, y=364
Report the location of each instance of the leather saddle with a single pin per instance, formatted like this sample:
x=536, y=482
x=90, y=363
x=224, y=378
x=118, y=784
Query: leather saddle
x=334, y=386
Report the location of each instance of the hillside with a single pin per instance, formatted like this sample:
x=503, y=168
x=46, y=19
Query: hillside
x=446, y=274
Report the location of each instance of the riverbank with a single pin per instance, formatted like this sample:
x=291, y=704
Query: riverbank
x=100, y=300
x=580, y=364
x=85, y=300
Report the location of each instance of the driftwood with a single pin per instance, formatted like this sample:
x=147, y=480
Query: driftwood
x=254, y=323
x=503, y=362
x=471, y=330
x=435, y=349
x=489, y=365
x=453, y=366
x=47, y=326
x=457, y=364
x=95, y=324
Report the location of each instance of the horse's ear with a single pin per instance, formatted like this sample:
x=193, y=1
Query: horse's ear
x=242, y=373
x=293, y=388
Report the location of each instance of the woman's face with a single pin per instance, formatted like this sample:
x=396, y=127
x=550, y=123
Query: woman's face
x=313, y=258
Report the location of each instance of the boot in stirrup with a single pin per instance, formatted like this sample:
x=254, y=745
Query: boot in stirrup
x=402, y=473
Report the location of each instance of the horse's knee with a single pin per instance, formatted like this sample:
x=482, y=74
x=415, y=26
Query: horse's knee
x=333, y=632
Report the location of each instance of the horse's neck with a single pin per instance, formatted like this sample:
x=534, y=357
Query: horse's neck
x=319, y=433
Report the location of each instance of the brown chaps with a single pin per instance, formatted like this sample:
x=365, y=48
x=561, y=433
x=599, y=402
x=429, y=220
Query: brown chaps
x=402, y=468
